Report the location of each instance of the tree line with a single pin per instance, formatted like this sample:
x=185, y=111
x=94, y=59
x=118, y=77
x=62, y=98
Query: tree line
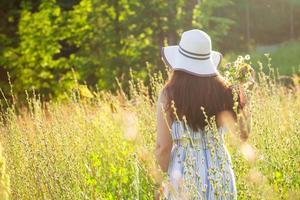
x=45, y=44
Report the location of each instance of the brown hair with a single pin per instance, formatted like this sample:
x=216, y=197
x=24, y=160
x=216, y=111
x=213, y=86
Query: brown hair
x=190, y=93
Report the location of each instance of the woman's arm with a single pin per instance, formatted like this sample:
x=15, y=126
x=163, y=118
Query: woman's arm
x=242, y=119
x=245, y=117
x=245, y=124
x=164, y=139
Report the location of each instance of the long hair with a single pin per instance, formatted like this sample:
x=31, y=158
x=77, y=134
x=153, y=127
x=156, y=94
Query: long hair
x=190, y=93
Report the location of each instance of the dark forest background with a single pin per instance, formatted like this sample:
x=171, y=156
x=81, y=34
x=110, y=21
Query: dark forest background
x=41, y=41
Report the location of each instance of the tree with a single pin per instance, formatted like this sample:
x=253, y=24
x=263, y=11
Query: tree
x=206, y=17
x=292, y=4
x=41, y=41
x=40, y=59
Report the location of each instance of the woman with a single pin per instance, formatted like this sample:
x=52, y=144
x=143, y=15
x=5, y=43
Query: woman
x=189, y=149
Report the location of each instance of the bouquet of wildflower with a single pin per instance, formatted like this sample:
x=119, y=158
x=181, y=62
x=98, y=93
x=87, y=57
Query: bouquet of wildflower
x=240, y=73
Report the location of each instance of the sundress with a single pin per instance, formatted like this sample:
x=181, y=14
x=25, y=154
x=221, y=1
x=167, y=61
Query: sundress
x=200, y=166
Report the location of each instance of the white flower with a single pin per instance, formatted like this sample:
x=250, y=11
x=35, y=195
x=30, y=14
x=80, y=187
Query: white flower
x=240, y=59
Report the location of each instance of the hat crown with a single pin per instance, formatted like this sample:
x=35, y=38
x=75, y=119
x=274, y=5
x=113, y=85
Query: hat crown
x=196, y=41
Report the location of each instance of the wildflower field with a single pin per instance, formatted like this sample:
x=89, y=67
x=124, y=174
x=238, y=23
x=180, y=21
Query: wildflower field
x=102, y=146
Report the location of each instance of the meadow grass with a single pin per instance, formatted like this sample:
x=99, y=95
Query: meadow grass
x=103, y=147
x=4, y=178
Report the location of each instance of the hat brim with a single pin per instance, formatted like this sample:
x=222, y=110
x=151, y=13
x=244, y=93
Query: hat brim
x=203, y=68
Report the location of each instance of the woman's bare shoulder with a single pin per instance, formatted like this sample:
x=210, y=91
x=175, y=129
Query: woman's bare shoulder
x=162, y=96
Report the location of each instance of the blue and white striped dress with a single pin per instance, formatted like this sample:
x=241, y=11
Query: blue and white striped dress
x=200, y=166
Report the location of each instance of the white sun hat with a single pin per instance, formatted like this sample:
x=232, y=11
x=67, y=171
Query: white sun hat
x=193, y=55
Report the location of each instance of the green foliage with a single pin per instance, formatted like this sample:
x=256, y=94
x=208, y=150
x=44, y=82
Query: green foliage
x=38, y=61
x=284, y=57
x=41, y=41
x=102, y=40
x=216, y=25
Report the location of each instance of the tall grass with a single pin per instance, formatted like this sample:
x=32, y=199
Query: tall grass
x=4, y=178
x=102, y=147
